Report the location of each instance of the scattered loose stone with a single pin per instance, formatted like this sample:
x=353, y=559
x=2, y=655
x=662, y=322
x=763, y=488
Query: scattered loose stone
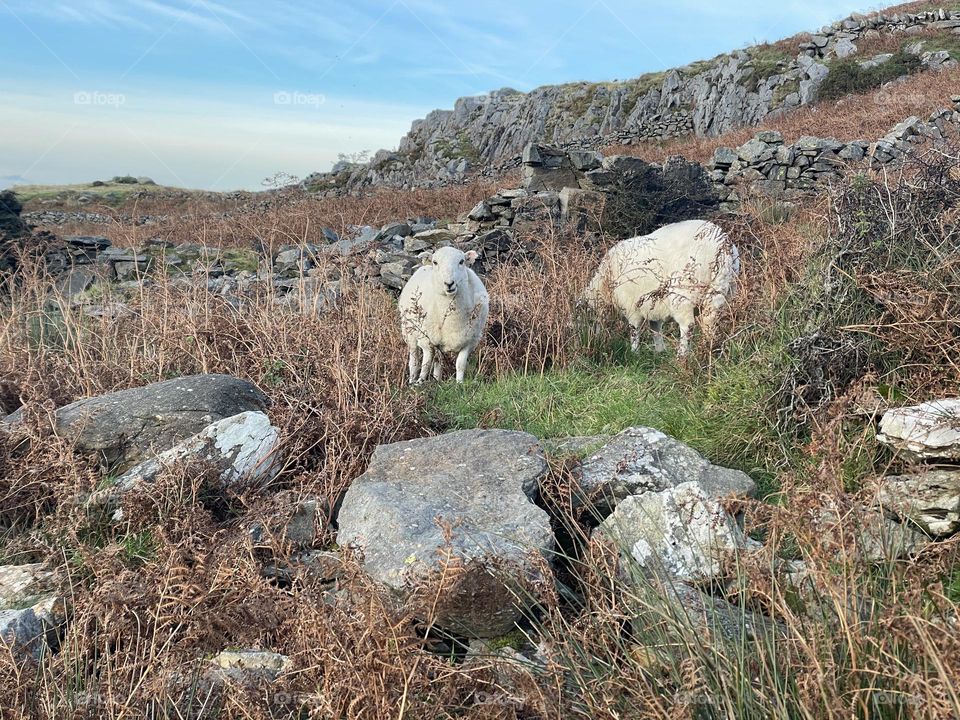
x=930, y=499
x=930, y=430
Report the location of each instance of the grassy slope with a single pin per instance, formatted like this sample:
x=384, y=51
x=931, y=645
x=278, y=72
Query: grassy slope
x=38, y=197
x=720, y=410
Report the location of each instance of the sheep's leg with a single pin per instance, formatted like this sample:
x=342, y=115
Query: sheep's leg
x=685, y=315
x=684, y=346
x=413, y=363
x=462, y=358
x=427, y=363
x=635, y=338
x=438, y=367
x=658, y=344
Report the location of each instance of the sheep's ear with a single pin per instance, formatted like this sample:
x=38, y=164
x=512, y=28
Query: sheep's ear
x=471, y=257
x=425, y=257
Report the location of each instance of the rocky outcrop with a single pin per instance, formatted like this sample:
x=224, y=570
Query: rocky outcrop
x=705, y=98
x=927, y=494
x=454, y=514
x=124, y=427
x=643, y=460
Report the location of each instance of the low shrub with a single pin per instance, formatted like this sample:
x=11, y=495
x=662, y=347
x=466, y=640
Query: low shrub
x=847, y=76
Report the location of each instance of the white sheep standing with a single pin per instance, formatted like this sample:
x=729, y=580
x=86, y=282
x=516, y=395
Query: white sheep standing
x=669, y=274
x=443, y=308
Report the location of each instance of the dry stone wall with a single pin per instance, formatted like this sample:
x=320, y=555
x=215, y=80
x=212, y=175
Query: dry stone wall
x=768, y=164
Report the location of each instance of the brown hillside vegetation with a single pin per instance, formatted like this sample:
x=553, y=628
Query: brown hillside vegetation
x=177, y=583
x=847, y=304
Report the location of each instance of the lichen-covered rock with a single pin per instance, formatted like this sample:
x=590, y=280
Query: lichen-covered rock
x=929, y=499
x=125, y=427
x=928, y=430
x=462, y=502
x=679, y=533
x=640, y=460
x=242, y=448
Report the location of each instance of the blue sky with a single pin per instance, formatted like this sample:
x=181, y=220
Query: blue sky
x=221, y=94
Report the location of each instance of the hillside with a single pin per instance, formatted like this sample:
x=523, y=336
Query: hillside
x=707, y=98
x=221, y=497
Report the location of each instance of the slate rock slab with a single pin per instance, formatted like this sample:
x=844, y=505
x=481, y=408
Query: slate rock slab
x=930, y=500
x=242, y=448
x=927, y=431
x=127, y=426
x=463, y=501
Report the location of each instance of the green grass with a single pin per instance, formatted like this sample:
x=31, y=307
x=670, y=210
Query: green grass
x=952, y=585
x=847, y=77
x=721, y=411
x=781, y=93
x=943, y=41
x=138, y=548
x=767, y=60
x=242, y=258
x=458, y=148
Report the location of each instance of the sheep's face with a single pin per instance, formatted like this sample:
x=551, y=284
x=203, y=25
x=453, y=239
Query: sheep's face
x=450, y=269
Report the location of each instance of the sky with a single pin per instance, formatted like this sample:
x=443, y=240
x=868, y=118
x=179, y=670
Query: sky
x=226, y=94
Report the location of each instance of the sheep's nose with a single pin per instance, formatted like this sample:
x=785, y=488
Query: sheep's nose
x=451, y=286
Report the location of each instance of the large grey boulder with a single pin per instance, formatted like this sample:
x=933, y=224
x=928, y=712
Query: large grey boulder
x=930, y=500
x=642, y=459
x=461, y=501
x=928, y=430
x=242, y=448
x=844, y=48
x=679, y=533
x=127, y=426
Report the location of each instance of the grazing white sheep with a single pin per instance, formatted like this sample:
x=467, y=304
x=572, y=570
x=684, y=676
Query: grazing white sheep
x=443, y=308
x=669, y=274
